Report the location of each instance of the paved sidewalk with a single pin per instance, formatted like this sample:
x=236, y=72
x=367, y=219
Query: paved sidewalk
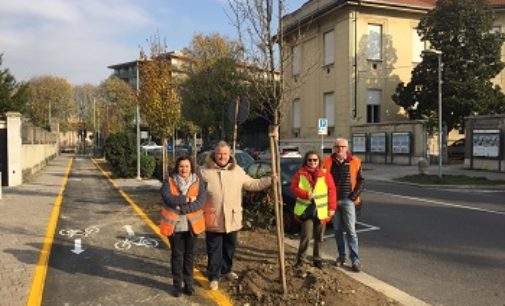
x=25, y=212
x=387, y=172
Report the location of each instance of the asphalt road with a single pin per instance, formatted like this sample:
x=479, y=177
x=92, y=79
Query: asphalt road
x=100, y=272
x=444, y=246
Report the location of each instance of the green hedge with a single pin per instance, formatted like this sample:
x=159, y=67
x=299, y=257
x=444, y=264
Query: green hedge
x=147, y=165
x=121, y=152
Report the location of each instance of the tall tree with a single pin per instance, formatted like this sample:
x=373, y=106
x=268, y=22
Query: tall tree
x=463, y=31
x=214, y=79
x=14, y=96
x=158, y=97
x=83, y=97
x=50, y=98
x=115, y=106
x=256, y=21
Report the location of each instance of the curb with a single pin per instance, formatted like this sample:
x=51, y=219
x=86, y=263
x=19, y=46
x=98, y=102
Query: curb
x=370, y=281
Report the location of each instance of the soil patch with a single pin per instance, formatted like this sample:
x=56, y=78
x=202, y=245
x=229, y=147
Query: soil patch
x=256, y=263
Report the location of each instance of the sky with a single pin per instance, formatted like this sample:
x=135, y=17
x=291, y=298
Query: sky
x=78, y=39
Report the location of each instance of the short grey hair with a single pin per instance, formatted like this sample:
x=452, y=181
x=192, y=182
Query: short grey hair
x=221, y=144
x=342, y=139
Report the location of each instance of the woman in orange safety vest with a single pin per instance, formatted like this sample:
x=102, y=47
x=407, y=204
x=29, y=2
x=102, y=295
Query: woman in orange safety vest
x=182, y=220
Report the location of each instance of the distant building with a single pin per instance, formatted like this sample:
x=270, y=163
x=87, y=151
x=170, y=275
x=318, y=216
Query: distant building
x=346, y=57
x=128, y=71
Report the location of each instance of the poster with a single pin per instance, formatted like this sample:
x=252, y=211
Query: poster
x=378, y=142
x=401, y=142
x=358, y=143
x=486, y=143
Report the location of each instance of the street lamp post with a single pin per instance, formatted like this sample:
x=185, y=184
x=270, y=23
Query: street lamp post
x=440, y=132
x=138, y=125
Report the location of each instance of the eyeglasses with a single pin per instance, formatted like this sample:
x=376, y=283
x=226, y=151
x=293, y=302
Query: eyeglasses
x=340, y=146
x=312, y=160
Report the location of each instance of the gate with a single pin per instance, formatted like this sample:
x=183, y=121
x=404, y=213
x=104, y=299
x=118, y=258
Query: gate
x=3, y=153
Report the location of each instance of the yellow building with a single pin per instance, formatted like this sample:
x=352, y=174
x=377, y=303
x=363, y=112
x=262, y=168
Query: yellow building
x=344, y=59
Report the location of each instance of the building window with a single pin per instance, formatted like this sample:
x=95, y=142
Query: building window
x=296, y=60
x=329, y=108
x=374, y=50
x=496, y=29
x=417, y=47
x=373, y=106
x=329, y=48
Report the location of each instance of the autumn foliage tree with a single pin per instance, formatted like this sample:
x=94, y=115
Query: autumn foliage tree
x=115, y=106
x=158, y=98
x=50, y=97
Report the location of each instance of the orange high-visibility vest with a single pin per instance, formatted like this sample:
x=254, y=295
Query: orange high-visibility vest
x=169, y=217
x=354, y=166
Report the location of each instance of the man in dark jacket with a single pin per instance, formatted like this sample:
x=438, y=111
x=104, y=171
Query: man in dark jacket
x=346, y=172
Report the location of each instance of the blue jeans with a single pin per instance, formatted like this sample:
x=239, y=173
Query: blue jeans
x=345, y=220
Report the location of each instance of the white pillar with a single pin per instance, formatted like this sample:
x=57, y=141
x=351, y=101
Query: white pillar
x=14, y=148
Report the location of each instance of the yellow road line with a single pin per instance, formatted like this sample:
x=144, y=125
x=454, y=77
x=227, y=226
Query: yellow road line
x=39, y=278
x=217, y=296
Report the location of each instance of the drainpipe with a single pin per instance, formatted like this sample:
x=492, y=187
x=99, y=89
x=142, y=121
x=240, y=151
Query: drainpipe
x=355, y=17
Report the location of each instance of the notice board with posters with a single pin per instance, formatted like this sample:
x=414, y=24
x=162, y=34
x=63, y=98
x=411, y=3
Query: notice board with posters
x=486, y=143
x=378, y=142
x=359, y=143
x=400, y=142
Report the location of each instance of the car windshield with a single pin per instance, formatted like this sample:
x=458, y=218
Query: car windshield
x=243, y=159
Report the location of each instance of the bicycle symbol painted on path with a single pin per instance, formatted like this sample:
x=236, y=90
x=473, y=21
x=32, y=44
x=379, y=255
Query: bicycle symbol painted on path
x=78, y=232
x=126, y=243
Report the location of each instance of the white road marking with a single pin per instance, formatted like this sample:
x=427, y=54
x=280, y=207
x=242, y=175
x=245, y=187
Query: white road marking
x=439, y=202
x=129, y=230
x=367, y=229
x=77, y=247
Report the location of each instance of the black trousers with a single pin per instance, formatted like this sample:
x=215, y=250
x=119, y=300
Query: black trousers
x=220, y=251
x=182, y=245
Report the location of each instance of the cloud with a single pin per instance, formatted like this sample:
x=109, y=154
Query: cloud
x=75, y=40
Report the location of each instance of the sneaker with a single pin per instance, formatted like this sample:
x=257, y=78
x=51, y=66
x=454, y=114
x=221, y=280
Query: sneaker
x=318, y=264
x=340, y=262
x=356, y=266
x=214, y=285
x=231, y=276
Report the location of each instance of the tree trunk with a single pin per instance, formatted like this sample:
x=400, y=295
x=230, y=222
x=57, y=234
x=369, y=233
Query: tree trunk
x=164, y=158
x=274, y=141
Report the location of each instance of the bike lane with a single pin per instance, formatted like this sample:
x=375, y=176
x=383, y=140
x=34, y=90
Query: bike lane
x=103, y=253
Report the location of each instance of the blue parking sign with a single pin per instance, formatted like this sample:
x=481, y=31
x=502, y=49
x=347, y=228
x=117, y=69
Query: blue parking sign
x=322, y=126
